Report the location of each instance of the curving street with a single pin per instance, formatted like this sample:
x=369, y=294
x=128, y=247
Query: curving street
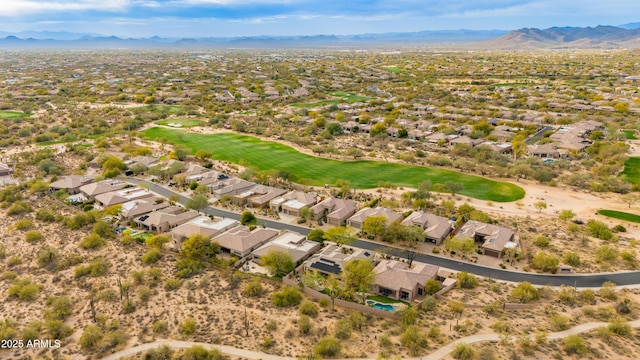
x=578, y=280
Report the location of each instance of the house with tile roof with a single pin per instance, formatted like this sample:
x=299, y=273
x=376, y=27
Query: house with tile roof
x=336, y=211
x=494, y=239
x=292, y=202
x=436, y=228
x=395, y=279
x=240, y=241
x=359, y=217
x=293, y=243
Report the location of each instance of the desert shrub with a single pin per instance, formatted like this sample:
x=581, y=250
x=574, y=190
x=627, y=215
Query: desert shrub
x=545, y=262
x=606, y=253
x=619, y=327
x=286, y=297
x=188, y=326
x=572, y=258
x=24, y=224
x=151, y=257
x=328, y=347
x=160, y=327
x=57, y=329
x=96, y=267
x=172, y=284
x=342, y=329
x=31, y=331
x=413, y=340
x=619, y=228
x=92, y=241
x=608, y=291
x=541, y=241
x=525, y=292
x=575, y=344
x=91, y=337
x=45, y=215
x=58, y=308
x=559, y=322
x=308, y=308
x=14, y=261
x=19, y=208
x=254, y=288
x=599, y=230
x=462, y=351
x=199, y=352
x=33, y=236
x=628, y=255
x=357, y=320
x=144, y=293
x=409, y=317
x=304, y=325
x=428, y=304
x=467, y=281
x=24, y=290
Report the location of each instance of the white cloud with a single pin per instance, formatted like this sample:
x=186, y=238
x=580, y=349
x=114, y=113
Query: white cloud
x=12, y=8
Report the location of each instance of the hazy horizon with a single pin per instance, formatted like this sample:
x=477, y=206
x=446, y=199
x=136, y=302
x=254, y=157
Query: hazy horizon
x=233, y=18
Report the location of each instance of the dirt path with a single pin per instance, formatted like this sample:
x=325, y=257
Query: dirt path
x=438, y=354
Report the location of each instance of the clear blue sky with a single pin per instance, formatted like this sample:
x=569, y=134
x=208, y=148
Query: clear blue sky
x=202, y=18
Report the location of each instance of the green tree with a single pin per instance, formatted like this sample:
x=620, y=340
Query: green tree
x=358, y=276
x=453, y=187
x=375, y=225
x=316, y=235
x=340, y=235
x=247, y=218
x=432, y=286
x=157, y=241
x=278, y=262
x=333, y=288
x=540, y=205
x=198, y=202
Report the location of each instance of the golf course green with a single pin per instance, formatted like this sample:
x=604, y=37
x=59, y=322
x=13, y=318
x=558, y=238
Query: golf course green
x=311, y=170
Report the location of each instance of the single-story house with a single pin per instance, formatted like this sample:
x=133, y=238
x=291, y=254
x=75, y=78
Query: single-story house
x=494, y=238
x=331, y=258
x=70, y=183
x=337, y=211
x=240, y=241
x=436, y=228
x=545, y=151
x=165, y=219
x=202, y=225
x=136, y=208
x=292, y=202
x=258, y=196
x=292, y=243
x=146, y=161
x=230, y=186
x=121, y=196
x=396, y=280
x=359, y=218
x=101, y=187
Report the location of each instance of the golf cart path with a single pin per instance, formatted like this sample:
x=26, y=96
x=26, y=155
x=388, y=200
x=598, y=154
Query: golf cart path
x=438, y=354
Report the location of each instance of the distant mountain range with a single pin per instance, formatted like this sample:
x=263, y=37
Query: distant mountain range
x=623, y=36
x=568, y=37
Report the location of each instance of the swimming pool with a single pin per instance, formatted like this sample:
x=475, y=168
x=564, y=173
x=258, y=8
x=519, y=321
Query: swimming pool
x=377, y=305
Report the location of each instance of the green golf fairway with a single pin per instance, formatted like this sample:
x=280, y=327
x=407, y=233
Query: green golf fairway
x=620, y=215
x=311, y=170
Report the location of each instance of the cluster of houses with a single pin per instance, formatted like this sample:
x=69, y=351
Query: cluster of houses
x=393, y=278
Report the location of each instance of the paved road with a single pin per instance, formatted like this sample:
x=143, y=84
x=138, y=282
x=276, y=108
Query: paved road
x=438, y=354
x=584, y=281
